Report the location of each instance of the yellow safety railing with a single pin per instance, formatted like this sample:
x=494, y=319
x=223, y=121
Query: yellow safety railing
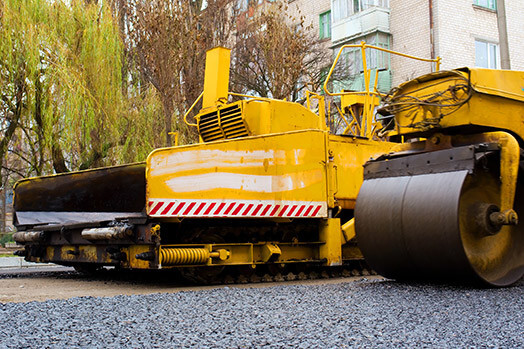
x=366, y=126
x=321, y=107
x=363, y=46
x=191, y=108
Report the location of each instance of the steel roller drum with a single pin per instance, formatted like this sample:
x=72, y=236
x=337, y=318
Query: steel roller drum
x=424, y=227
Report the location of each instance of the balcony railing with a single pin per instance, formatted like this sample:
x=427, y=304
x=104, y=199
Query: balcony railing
x=371, y=20
x=342, y=9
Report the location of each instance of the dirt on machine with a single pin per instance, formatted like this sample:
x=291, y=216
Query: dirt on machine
x=423, y=182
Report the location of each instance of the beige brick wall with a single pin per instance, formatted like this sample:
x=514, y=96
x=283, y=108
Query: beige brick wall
x=409, y=26
x=515, y=19
x=310, y=9
x=460, y=23
x=457, y=24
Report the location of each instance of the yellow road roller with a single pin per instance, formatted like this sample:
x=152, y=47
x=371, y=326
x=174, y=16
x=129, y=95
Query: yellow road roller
x=421, y=183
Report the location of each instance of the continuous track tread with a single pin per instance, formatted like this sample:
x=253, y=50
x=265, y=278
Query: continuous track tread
x=357, y=268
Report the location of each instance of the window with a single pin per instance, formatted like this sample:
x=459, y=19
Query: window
x=375, y=59
x=365, y=4
x=486, y=55
x=340, y=9
x=325, y=25
x=349, y=74
x=345, y=8
x=491, y=4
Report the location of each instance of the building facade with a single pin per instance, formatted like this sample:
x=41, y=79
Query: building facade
x=461, y=32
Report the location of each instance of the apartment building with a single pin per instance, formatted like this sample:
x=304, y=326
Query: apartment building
x=461, y=32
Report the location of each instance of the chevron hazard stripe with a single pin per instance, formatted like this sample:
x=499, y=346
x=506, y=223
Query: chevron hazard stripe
x=231, y=208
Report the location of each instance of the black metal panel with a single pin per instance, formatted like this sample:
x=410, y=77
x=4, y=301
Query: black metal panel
x=111, y=189
x=448, y=160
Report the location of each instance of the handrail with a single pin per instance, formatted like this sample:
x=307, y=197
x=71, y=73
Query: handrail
x=321, y=107
x=363, y=47
x=191, y=108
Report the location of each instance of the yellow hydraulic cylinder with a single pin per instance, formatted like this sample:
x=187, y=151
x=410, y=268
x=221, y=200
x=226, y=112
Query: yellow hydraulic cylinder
x=216, y=79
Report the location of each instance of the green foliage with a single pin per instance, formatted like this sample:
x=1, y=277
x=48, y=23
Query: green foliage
x=4, y=238
x=84, y=84
x=141, y=127
x=64, y=58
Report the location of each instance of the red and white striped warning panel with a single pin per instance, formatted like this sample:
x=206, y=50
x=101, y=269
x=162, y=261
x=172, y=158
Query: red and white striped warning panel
x=231, y=208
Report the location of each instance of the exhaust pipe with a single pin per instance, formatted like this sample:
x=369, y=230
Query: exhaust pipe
x=29, y=236
x=108, y=233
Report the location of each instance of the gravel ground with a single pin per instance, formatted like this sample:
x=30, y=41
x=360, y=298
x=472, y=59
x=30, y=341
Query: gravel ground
x=347, y=314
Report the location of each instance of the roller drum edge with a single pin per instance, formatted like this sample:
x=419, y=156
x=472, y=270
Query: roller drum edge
x=418, y=227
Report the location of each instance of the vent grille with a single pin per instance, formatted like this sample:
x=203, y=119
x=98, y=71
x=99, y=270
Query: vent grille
x=224, y=123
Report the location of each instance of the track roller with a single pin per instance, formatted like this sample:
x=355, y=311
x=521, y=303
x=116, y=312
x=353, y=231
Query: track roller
x=439, y=225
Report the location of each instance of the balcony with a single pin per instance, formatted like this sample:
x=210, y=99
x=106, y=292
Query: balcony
x=370, y=20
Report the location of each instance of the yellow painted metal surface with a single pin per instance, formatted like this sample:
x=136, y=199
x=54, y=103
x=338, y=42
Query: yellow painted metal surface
x=287, y=168
x=503, y=83
x=78, y=254
x=132, y=261
x=96, y=254
x=281, y=168
x=331, y=249
x=255, y=254
x=509, y=162
x=270, y=251
x=496, y=101
x=348, y=230
x=275, y=116
x=351, y=252
x=254, y=117
x=216, y=79
x=350, y=153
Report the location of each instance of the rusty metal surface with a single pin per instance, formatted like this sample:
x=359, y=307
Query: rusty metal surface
x=70, y=218
x=108, y=233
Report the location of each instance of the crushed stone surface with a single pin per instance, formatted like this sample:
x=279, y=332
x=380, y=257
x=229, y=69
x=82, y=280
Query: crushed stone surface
x=368, y=313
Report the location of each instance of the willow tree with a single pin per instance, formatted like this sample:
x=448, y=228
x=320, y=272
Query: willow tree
x=19, y=71
x=60, y=67
x=82, y=66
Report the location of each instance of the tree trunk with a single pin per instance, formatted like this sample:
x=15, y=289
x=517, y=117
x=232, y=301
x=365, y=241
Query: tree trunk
x=4, y=208
x=14, y=115
x=168, y=112
x=59, y=164
x=39, y=163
